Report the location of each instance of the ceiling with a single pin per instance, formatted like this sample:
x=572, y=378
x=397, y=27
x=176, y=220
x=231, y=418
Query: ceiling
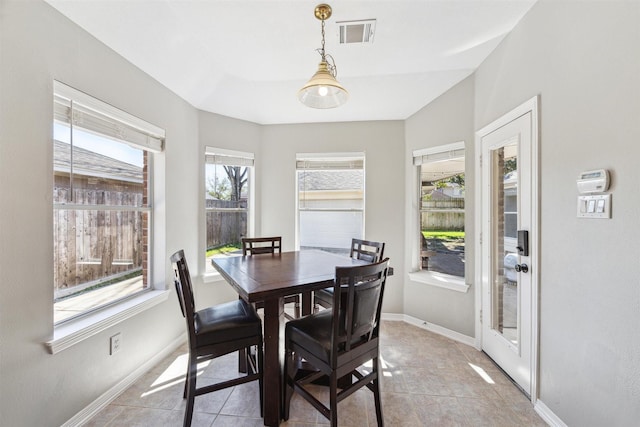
x=247, y=59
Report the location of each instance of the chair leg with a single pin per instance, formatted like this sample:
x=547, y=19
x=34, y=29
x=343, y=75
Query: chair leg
x=333, y=399
x=186, y=384
x=260, y=366
x=297, y=310
x=242, y=360
x=192, y=371
x=289, y=375
x=376, y=393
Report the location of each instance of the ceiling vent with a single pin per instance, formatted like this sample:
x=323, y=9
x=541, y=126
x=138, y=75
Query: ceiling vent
x=361, y=31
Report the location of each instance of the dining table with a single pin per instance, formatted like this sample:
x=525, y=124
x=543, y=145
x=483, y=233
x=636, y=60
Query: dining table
x=269, y=278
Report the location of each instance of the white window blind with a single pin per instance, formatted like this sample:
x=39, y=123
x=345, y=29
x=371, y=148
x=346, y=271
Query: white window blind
x=218, y=156
x=329, y=161
x=71, y=106
x=439, y=154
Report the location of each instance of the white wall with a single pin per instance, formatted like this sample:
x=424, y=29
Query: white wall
x=383, y=145
x=446, y=120
x=38, y=45
x=583, y=58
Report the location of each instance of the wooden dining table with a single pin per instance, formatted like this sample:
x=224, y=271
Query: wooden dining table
x=270, y=278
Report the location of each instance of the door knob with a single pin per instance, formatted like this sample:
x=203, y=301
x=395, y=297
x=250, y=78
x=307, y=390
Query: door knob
x=522, y=268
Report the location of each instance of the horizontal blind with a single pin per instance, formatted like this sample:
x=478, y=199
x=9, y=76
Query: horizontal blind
x=439, y=156
x=328, y=162
x=93, y=115
x=221, y=156
x=217, y=159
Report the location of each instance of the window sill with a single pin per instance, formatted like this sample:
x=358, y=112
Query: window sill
x=440, y=280
x=211, y=277
x=75, y=331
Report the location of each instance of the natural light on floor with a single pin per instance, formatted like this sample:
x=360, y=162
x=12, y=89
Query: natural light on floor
x=174, y=374
x=483, y=374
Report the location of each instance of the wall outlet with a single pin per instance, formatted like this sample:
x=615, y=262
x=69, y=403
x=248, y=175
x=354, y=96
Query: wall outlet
x=115, y=343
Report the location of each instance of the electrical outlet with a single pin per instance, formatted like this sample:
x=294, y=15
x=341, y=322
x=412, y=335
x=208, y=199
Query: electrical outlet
x=115, y=343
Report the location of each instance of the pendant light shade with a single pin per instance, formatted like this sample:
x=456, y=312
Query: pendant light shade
x=323, y=90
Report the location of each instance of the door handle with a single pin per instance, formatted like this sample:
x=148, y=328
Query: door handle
x=524, y=268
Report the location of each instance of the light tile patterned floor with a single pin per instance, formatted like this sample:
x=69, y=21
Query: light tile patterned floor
x=428, y=380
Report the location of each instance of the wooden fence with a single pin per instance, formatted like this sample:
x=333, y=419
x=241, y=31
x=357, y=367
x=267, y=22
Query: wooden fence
x=226, y=222
x=443, y=215
x=93, y=246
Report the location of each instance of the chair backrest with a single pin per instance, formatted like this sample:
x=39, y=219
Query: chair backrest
x=261, y=245
x=367, y=250
x=356, y=318
x=184, y=289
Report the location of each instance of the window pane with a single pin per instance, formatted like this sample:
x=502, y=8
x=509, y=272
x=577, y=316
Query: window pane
x=100, y=222
x=226, y=206
x=442, y=216
x=331, y=208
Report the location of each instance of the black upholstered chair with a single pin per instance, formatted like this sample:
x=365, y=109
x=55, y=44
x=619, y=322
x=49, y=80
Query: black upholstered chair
x=365, y=250
x=214, y=332
x=337, y=342
x=269, y=245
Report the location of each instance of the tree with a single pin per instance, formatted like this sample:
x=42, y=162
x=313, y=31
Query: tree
x=510, y=165
x=218, y=188
x=238, y=178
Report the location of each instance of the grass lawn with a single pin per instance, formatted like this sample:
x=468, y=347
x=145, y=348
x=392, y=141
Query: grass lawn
x=443, y=235
x=221, y=250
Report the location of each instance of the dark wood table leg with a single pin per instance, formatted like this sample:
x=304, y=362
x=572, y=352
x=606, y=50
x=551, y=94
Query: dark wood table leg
x=242, y=358
x=273, y=360
x=307, y=298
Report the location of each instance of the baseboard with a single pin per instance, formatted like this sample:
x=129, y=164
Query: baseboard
x=109, y=396
x=432, y=327
x=547, y=415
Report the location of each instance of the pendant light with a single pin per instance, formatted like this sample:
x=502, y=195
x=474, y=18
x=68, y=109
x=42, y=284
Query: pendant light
x=323, y=90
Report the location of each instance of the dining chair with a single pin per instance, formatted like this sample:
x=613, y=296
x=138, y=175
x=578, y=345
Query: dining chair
x=337, y=342
x=214, y=332
x=269, y=245
x=366, y=250
x=261, y=245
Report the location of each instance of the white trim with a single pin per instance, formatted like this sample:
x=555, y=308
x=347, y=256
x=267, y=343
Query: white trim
x=75, y=331
x=431, y=327
x=440, y=280
x=547, y=415
x=532, y=105
x=110, y=395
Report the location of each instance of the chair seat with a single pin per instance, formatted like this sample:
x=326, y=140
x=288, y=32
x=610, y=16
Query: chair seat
x=230, y=321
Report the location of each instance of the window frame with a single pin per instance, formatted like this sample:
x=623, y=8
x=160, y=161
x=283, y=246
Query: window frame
x=433, y=278
x=139, y=134
x=248, y=159
x=350, y=160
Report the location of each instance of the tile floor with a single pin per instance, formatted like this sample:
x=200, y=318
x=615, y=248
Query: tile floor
x=428, y=380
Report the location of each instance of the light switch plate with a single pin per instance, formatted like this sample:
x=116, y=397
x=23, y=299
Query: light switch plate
x=594, y=206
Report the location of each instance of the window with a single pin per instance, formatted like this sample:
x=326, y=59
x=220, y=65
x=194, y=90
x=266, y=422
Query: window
x=330, y=200
x=102, y=212
x=228, y=206
x=441, y=204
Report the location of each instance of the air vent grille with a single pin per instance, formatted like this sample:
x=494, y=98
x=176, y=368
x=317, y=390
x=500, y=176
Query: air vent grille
x=361, y=31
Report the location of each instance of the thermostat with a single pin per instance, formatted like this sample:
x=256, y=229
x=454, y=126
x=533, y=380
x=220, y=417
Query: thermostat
x=595, y=181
